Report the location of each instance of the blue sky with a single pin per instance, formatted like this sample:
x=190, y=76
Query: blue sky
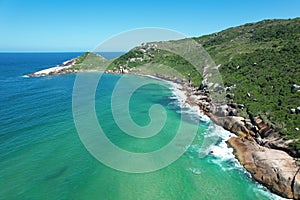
x=62, y=25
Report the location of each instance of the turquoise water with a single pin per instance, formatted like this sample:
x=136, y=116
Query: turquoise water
x=42, y=157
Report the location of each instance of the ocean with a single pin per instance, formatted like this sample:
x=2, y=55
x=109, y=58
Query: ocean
x=42, y=156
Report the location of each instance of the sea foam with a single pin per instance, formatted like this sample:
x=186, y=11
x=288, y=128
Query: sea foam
x=193, y=112
x=214, y=144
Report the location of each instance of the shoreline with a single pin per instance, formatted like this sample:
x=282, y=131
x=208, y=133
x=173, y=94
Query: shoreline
x=253, y=160
x=273, y=168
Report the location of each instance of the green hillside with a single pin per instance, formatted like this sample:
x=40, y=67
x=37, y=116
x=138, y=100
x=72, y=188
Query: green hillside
x=262, y=59
x=158, y=59
x=90, y=61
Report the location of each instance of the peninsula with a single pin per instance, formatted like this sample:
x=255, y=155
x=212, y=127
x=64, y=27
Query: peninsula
x=259, y=63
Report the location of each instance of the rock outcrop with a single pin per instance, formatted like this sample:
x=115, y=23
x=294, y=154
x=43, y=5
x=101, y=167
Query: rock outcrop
x=273, y=168
x=262, y=150
x=233, y=124
x=296, y=186
x=295, y=87
x=273, y=139
x=60, y=69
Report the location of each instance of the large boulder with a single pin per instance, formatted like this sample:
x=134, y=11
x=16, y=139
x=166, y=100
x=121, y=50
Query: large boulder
x=296, y=186
x=232, y=123
x=232, y=112
x=273, y=168
x=298, y=110
x=220, y=110
x=230, y=95
x=295, y=87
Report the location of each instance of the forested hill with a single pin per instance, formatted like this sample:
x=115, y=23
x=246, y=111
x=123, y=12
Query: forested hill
x=262, y=59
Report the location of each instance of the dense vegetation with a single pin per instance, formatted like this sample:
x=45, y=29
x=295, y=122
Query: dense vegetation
x=262, y=59
x=90, y=61
x=161, y=61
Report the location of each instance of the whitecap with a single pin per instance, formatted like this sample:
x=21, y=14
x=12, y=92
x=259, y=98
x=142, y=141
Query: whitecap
x=194, y=170
x=214, y=146
x=192, y=112
x=263, y=190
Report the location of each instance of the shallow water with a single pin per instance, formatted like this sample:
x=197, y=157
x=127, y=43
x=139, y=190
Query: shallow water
x=42, y=157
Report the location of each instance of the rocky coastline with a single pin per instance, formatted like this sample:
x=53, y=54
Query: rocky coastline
x=264, y=152
x=63, y=68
